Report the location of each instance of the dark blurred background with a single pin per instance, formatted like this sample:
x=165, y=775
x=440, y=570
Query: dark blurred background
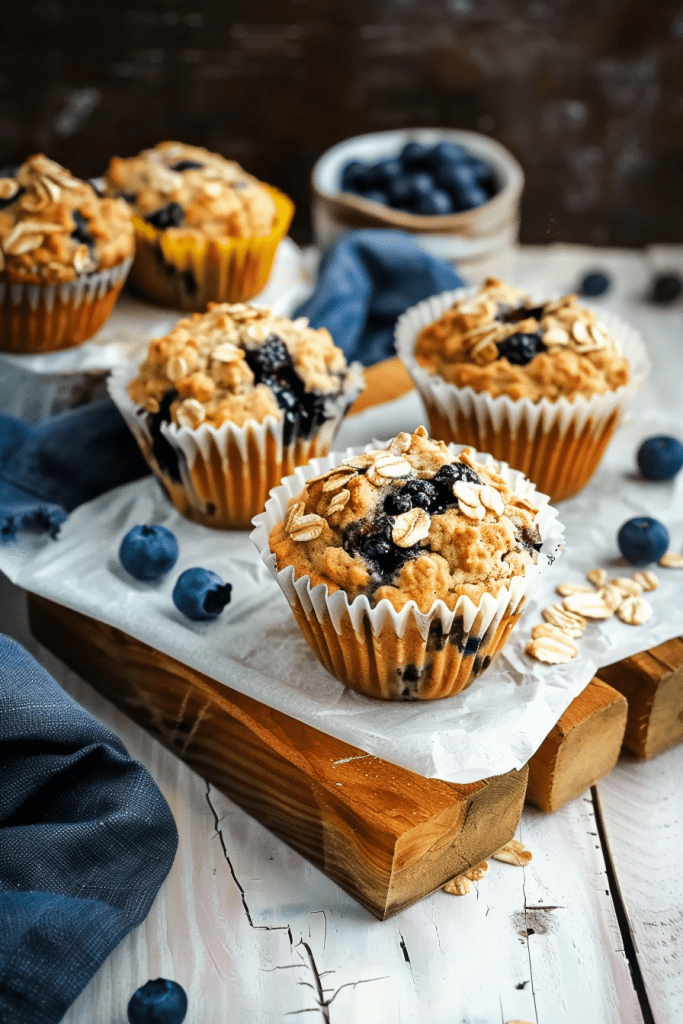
x=588, y=94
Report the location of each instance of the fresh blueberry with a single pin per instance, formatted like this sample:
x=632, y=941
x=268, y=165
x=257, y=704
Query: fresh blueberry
x=667, y=287
x=520, y=349
x=169, y=216
x=482, y=173
x=595, y=283
x=187, y=165
x=642, y=540
x=201, y=594
x=436, y=203
x=148, y=552
x=455, y=178
x=444, y=153
x=423, y=183
x=158, y=1002
x=660, y=458
x=473, y=197
x=354, y=177
x=375, y=195
x=400, y=191
x=414, y=155
x=384, y=171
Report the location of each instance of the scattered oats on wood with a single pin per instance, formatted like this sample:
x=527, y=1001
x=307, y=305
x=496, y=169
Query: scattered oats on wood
x=671, y=561
x=627, y=585
x=491, y=499
x=634, y=611
x=597, y=577
x=611, y=595
x=551, y=650
x=591, y=606
x=513, y=852
x=477, y=872
x=410, y=527
x=565, y=589
x=569, y=622
x=307, y=527
x=647, y=579
x=459, y=886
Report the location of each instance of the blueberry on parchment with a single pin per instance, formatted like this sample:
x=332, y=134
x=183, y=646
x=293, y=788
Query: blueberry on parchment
x=201, y=594
x=643, y=540
x=148, y=552
x=660, y=458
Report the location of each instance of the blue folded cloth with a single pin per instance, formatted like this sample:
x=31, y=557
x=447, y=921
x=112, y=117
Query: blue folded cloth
x=86, y=839
x=366, y=280
x=49, y=468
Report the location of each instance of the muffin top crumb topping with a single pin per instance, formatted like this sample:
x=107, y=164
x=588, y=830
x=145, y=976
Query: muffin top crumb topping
x=239, y=362
x=188, y=190
x=54, y=227
x=498, y=341
x=409, y=522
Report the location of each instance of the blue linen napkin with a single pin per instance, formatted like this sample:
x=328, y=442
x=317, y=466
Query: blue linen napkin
x=366, y=280
x=49, y=468
x=86, y=839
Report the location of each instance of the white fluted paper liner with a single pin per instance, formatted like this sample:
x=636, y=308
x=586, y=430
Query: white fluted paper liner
x=481, y=621
x=50, y=326
x=505, y=417
x=226, y=472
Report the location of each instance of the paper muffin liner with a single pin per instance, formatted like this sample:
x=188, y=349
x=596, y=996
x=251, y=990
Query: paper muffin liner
x=225, y=473
x=187, y=273
x=406, y=655
x=48, y=317
x=557, y=444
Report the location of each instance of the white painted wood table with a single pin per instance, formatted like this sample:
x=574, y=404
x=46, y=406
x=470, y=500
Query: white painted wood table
x=591, y=930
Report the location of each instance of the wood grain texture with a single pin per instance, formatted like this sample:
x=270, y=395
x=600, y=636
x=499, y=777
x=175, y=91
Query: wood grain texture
x=385, y=835
x=652, y=683
x=580, y=749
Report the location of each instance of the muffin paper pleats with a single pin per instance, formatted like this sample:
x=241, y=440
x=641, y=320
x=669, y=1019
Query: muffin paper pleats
x=557, y=444
x=404, y=655
x=48, y=317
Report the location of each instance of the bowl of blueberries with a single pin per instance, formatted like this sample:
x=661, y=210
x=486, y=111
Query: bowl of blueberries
x=457, y=191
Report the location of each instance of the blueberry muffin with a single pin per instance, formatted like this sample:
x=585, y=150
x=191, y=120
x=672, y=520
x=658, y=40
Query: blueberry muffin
x=541, y=385
x=206, y=230
x=426, y=558
x=232, y=400
x=64, y=255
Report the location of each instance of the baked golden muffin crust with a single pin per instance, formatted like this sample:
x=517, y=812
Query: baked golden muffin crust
x=499, y=342
x=55, y=227
x=187, y=190
x=238, y=363
x=410, y=522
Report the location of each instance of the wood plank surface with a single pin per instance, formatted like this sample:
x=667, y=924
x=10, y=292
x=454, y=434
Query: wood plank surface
x=580, y=749
x=385, y=835
x=652, y=683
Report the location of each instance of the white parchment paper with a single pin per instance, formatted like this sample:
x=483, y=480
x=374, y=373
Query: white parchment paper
x=257, y=648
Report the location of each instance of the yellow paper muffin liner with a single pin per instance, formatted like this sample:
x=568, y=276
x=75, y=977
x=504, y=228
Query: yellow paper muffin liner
x=227, y=472
x=406, y=655
x=186, y=272
x=49, y=317
x=557, y=444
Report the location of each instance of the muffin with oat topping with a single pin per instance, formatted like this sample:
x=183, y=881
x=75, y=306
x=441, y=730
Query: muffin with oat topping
x=408, y=566
x=64, y=255
x=541, y=385
x=206, y=230
x=230, y=402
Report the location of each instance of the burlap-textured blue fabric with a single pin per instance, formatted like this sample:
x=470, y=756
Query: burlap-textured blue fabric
x=86, y=839
x=364, y=284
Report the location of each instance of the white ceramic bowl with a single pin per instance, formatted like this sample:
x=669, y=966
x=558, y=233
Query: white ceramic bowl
x=479, y=241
